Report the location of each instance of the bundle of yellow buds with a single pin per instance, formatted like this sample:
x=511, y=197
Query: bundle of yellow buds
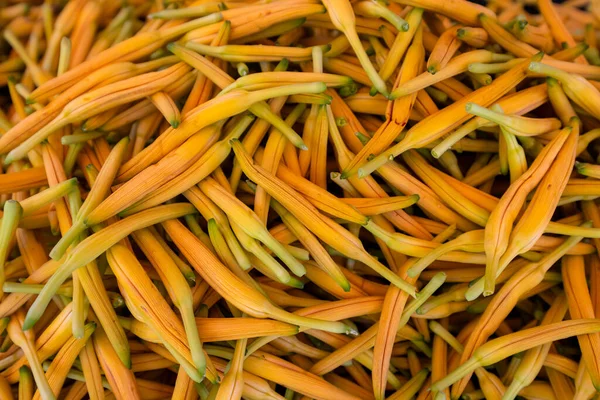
x=299, y=199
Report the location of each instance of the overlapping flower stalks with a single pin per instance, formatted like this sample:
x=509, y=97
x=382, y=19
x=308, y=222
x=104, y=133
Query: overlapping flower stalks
x=299, y=199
